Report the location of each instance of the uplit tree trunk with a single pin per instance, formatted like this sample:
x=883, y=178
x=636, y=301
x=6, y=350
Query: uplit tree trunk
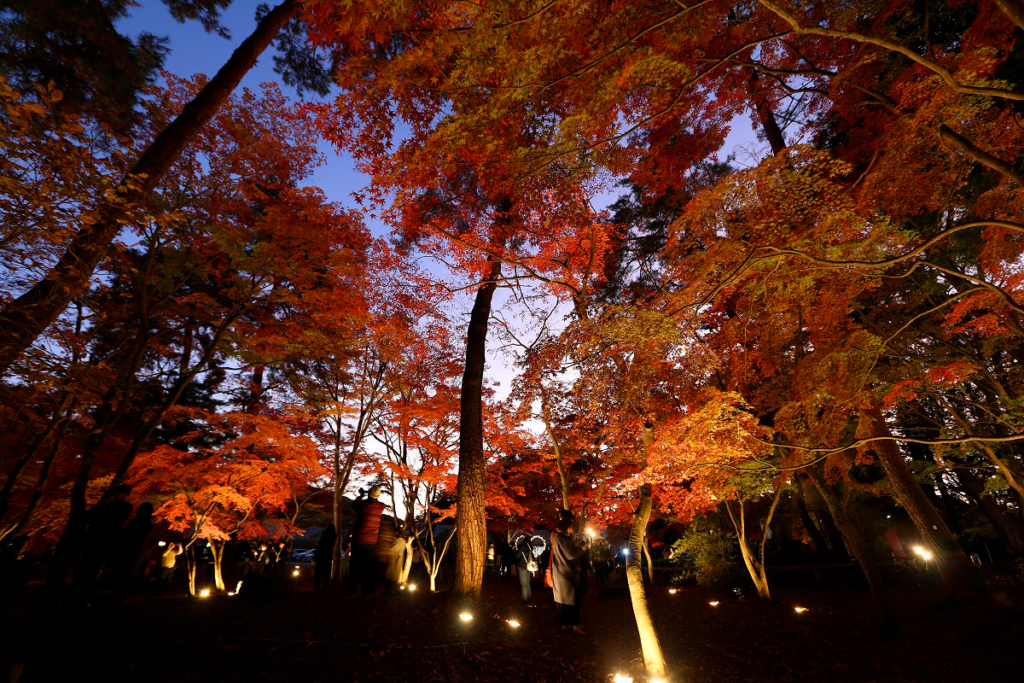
x=817, y=537
x=190, y=564
x=432, y=560
x=933, y=529
x=403, y=577
x=755, y=565
x=563, y=478
x=647, y=556
x=217, y=548
x=471, y=516
x=654, y=660
x=28, y=316
x=837, y=508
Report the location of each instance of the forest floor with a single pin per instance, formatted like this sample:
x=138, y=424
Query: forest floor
x=307, y=637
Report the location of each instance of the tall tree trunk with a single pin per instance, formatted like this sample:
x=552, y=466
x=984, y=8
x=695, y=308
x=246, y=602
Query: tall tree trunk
x=190, y=564
x=28, y=316
x=837, y=508
x=755, y=565
x=764, y=113
x=563, y=478
x=217, y=548
x=1007, y=527
x=471, y=516
x=930, y=524
x=817, y=538
x=336, y=552
x=654, y=660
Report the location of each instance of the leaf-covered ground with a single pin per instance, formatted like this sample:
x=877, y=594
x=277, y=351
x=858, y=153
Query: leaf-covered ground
x=306, y=637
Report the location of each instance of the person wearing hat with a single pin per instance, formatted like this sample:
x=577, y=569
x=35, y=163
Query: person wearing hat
x=363, y=569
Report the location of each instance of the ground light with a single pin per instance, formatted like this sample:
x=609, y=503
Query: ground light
x=621, y=678
x=713, y=603
x=466, y=616
x=923, y=552
x=205, y=593
x=412, y=586
x=799, y=610
x=673, y=591
x=162, y=543
x=513, y=623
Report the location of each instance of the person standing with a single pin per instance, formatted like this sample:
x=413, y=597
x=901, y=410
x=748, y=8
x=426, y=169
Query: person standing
x=168, y=560
x=565, y=574
x=363, y=569
x=323, y=556
x=524, y=562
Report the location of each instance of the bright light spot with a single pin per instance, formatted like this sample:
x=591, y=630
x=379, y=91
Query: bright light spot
x=401, y=588
x=238, y=588
x=625, y=551
x=296, y=567
x=622, y=678
x=205, y=593
x=231, y=592
x=513, y=623
x=923, y=552
x=412, y=586
x=162, y=543
x=673, y=591
x=590, y=532
x=713, y=603
x=295, y=572
x=466, y=616
x=799, y=610
x=888, y=516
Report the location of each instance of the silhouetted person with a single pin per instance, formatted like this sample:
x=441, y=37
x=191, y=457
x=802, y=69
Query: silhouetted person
x=565, y=552
x=323, y=557
x=98, y=541
x=363, y=567
x=127, y=550
x=13, y=570
x=524, y=561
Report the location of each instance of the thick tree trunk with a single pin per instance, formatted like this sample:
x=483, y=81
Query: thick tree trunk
x=650, y=645
x=25, y=318
x=218, y=565
x=190, y=564
x=1006, y=526
x=861, y=552
x=471, y=517
x=1014, y=9
x=817, y=538
x=933, y=529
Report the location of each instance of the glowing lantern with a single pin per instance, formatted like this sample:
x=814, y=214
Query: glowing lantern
x=412, y=586
x=466, y=616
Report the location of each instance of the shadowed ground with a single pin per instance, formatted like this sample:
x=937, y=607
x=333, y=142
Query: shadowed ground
x=307, y=637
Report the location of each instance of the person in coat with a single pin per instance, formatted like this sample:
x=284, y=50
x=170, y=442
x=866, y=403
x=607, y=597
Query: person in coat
x=565, y=574
x=363, y=568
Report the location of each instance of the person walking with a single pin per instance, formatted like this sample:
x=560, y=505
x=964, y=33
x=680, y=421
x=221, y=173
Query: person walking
x=363, y=567
x=565, y=574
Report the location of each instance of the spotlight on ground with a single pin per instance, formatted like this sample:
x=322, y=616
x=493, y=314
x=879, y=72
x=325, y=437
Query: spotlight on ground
x=205, y=593
x=466, y=616
x=799, y=610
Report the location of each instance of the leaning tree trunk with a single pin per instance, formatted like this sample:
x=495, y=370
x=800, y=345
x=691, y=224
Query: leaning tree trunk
x=25, y=318
x=654, y=660
x=471, y=517
x=190, y=563
x=837, y=508
x=1007, y=527
x=930, y=524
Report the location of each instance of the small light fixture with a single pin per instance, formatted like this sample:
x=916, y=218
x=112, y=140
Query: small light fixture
x=402, y=587
x=466, y=616
x=295, y=572
x=590, y=532
x=621, y=678
x=412, y=586
x=713, y=603
x=205, y=593
x=923, y=552
x=162, y=543
x=799, y=610
x=513, y=623
x=673, y=591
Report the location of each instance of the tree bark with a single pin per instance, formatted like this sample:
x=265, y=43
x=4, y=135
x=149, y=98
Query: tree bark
x=654, y=660
x=817, y=538
x=28, y=316
x=764, y=113
x=471, y=516
x=954, y=140
x=933, y=529
x=837, y=508
x=1014, y=9
x=217, y=548
x=1009, y=529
